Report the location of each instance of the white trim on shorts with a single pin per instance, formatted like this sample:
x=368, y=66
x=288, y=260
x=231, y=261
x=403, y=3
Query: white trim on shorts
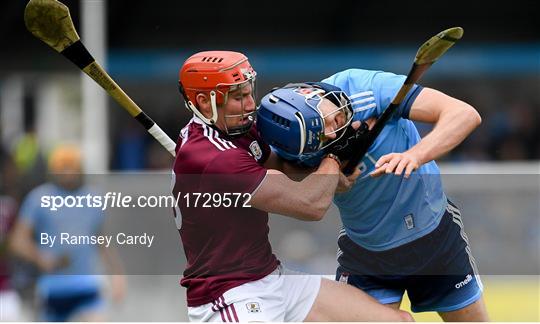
x=456, y=218
x=282, y=296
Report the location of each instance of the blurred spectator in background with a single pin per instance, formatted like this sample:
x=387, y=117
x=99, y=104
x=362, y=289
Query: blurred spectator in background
x=158, y=157
x=9, y=298
x=29, y=162
x=69, y=287
x=131, y=148
x=8, y=174
x=514, y=132
x=10, y=302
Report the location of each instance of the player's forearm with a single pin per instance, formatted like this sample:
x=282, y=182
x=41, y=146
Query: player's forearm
x=321, y=186
x=306, y=200
x=453, y=126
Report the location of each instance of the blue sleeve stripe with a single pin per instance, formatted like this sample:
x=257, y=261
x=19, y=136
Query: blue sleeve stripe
x=410, y=99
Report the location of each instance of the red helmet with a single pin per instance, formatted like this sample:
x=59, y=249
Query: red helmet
x=216, y=73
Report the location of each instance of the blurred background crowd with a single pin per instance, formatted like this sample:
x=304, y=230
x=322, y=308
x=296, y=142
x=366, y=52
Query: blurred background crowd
x=495, y=68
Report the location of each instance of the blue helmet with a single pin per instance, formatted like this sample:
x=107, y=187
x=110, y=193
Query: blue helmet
x=290, y=121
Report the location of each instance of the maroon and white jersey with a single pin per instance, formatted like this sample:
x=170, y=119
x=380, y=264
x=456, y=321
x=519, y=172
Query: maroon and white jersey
x=225, y=246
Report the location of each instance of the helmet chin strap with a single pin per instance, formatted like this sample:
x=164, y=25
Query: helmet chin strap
x=242, y=129
x=239, y=130
x=210, y=121
x=213, y=103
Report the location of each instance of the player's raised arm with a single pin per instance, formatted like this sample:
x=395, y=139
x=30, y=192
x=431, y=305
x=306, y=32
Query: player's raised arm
x=454, y=120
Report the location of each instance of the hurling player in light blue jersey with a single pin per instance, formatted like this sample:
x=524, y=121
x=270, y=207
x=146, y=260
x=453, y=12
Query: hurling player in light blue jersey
x=400, y=232
x=69, y=287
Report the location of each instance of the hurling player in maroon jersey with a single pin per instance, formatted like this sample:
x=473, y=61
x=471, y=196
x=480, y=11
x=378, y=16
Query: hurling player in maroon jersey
x=227, y=181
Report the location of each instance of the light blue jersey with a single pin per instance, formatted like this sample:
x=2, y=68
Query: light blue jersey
x=84, y=260
x=389, y=211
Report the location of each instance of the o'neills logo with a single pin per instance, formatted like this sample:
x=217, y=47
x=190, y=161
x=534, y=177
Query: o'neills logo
x=460, y=284
x=255, y=150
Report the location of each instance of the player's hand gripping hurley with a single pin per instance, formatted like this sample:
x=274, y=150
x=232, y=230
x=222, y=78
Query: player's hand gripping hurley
x=427, y=54
x=50, y=21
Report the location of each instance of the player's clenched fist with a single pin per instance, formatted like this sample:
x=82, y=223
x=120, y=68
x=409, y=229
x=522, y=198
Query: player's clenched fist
x=396, y=163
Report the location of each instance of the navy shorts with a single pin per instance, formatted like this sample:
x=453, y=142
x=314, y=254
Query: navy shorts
x=64, y=307
x=437, y=270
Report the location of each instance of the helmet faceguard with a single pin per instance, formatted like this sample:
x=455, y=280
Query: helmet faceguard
x=246, y=119
x=292, y=120
x=217, y=73
x=341, y=102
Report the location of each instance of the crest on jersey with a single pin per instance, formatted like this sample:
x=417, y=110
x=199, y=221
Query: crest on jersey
x=253, y=307
x=344, y=277
x=255, y=150
x=409, y=221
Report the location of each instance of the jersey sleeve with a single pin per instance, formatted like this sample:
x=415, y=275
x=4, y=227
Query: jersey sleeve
x=372, y=91
x=233, y=171
x=385, y=87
